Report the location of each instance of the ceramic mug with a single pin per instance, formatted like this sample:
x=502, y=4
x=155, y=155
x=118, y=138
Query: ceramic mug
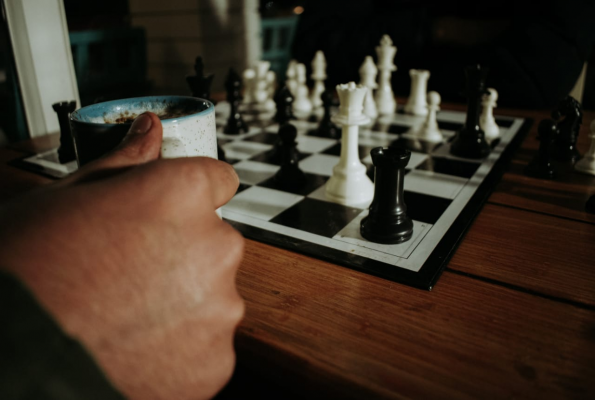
x=188, y=126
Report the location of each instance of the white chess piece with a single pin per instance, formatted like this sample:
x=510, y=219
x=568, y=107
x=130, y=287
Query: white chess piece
x=429, y=130
x=367, y=75
x=269, y=103
x=318, y=75
x=486, y=119
x=416, y=104
x=248, y=82
x=587, y=163
x=290, y=76
x=260, y=86
x=385, y=99
x=349, y=183
x=301, y=102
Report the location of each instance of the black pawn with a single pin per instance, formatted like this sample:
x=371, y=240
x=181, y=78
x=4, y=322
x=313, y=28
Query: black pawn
x=541, y=166
x=470, y=141
x=568, y=129
x=289, y=176
x=66, y=152
x=284, y=103
x=235, y=122
x=387, y=221
x=200, y=85
x=326, y=127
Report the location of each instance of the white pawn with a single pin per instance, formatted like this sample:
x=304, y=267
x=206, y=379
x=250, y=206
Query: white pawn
x=318, y=76
x=248, y=81
x=290, y=76
x=486, y=119
x=269, y=103
x=301, y=103
x=367, y=75
x=429, y=130
x=587, y=163
x=416, y=104
x=385, y=99
x=349, y=183
x=260, y=86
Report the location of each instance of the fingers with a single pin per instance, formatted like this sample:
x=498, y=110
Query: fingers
x=141, y=144
x=186, y=182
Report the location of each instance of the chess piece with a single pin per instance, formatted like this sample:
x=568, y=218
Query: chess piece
x=327, y=128
x=318, y=76
x=301, y=103
x=429, y=130
x=587, y=163
x=486, y=119
x=416, y=104
x=248, y=78
x=291, y=76
x=271, y=79
x=200, y=85
x=565, y=142
x=235, y=122
x=388, y=222
x=367, y=75
x=590, y=205
x=349, y=183
x=470, y=141
x=260, y=90
x=66, y=151
x=541, y=166
x=284, y=105
x=289, y=176
x=385, y=99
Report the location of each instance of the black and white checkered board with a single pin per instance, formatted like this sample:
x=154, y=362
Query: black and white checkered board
x=443, y=194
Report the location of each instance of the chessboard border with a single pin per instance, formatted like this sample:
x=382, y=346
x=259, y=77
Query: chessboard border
x=433, y=267
x=23, y=165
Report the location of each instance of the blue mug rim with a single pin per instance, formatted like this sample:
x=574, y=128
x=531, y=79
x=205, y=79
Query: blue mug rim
x=210, y=108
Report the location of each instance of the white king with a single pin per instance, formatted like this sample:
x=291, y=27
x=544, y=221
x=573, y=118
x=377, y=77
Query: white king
x=349, y=183
x=385, y=99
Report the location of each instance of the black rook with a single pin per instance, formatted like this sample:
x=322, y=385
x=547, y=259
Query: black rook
x=387, y=221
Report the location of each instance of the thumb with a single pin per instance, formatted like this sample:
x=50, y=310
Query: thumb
x=141, y=144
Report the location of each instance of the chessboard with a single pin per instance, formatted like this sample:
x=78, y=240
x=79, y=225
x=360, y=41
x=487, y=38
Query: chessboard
x=443, y=193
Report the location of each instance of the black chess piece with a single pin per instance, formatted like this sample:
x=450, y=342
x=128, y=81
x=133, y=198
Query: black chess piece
x=66, y=152
x=470, y=141
x=200, y=85
x=387, y=221
x=289, y=176
x=590, y=205
x=568, y=129
x=541, y=166
x=284, y=103
x=235, y=122
x=327, y=128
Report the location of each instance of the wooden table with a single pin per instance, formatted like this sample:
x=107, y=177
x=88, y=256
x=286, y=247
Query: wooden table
x=513, y=315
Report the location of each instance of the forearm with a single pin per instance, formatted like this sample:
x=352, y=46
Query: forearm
x=38, y=360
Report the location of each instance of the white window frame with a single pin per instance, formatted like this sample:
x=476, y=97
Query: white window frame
x=43, y=58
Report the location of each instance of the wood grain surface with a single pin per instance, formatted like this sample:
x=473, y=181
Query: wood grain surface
x=513, y=315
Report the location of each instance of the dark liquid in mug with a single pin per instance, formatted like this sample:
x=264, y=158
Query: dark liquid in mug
x=170, y=112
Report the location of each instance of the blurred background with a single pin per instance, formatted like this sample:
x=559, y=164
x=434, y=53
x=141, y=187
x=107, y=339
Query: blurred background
x=126, y=48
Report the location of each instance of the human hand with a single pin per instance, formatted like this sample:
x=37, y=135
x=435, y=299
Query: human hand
x=130, y=258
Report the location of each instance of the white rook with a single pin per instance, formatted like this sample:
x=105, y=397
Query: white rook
x=349, y=183
x=416, y=104
x=385, y=99
x=587, y=163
